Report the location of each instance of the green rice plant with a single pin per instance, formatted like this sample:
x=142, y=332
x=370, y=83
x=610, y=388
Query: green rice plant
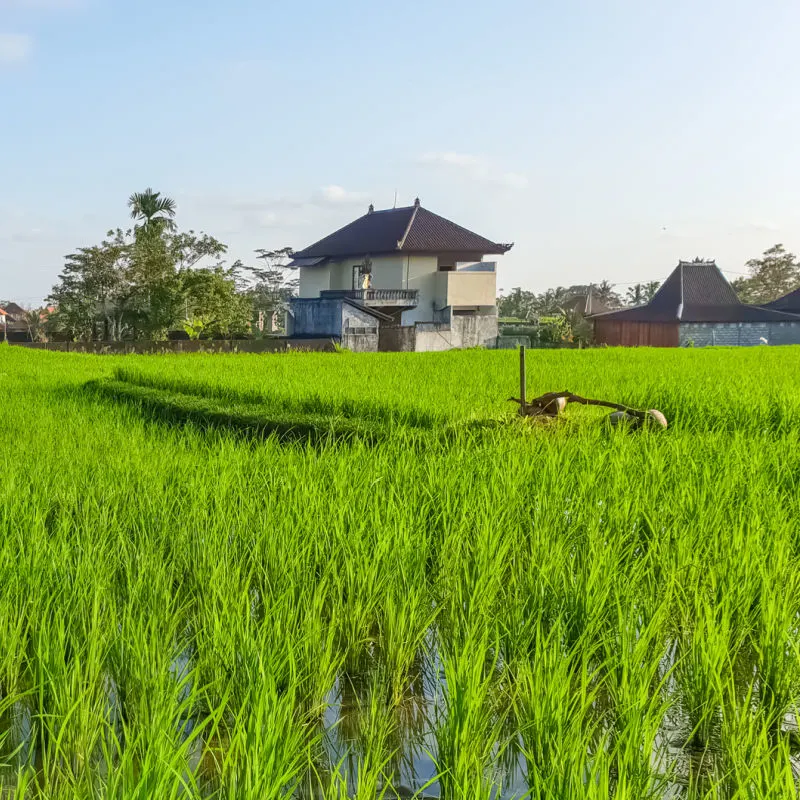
x=307, y=575
x=469, y=731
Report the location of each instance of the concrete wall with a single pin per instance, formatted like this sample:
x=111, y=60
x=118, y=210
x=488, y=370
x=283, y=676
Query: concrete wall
x=315, y=317
x=464, y=330
x=397, y=338
x=329, y=317
x=358, y=319
x=465, y=288
x=476, y=330
x=784, y=333
x=745, y=334
x=360, y=342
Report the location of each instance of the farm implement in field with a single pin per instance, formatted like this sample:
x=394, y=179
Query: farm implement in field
x=552, y=405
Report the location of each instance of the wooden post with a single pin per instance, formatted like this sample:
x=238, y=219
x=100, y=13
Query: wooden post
x=523, y=382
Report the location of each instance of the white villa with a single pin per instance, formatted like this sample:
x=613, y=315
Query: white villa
x=399, y=279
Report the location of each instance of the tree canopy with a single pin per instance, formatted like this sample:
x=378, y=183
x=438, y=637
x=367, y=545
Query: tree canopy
x=773, y=275
x=145, y=281
x=524, y=305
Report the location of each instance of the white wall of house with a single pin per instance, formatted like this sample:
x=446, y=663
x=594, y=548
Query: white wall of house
x=437, y=290
x=313, y=280
x=387, y=273
x=421, y=274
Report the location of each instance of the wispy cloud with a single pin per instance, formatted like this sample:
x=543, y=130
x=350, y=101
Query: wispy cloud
x=14, y=47
x=30, y=235
x=475, y=168
x=338, y=196
x=284, y=212
x=763, y=225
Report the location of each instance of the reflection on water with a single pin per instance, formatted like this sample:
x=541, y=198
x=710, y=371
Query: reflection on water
x=370, y=737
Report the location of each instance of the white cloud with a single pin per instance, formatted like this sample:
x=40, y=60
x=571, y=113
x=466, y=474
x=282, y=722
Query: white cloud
x=14, y=47
x=763, y=225
x=338, y=196
x=475, y=168
x=461, y=160
x=30, y=235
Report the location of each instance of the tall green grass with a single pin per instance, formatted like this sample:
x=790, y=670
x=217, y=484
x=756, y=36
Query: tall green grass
x=335, y=575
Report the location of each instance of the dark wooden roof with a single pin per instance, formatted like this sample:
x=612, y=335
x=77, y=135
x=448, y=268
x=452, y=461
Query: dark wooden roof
x=14, y=311
x=697, y=291
x=586, y=303
x=789, y=302
x=412, y=229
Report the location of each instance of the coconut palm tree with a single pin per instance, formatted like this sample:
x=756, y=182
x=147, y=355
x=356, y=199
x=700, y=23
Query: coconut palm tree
x=635, y=295
x=35, y=320
x=152, y=209
x=604, y=293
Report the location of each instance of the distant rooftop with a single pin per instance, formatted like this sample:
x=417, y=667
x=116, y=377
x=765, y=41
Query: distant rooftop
x=789, y=302
x=411, y=229
x=696, y=291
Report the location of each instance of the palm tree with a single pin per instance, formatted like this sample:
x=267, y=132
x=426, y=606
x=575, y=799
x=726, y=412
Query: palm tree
x=635, y=295
x=152, y=208
x=605, y=294
x=650, y=289
x=35, y=320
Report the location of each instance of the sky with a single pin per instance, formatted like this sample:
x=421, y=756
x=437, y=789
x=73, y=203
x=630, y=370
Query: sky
x=606, y=138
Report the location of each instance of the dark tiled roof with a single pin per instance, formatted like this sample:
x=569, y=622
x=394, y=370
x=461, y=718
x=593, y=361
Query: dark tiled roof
x=789, y=302
x=697, y=291
x=586, y=304
x=14, y=311
x=693, y=284
x=409, y=230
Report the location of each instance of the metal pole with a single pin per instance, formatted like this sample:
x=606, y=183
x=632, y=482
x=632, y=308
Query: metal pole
x=522, y=378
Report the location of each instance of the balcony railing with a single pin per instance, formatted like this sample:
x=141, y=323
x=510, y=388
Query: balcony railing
x=383, y=297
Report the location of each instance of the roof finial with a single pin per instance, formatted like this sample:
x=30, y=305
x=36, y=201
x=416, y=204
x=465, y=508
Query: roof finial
x=416, y=202
x=370, y=209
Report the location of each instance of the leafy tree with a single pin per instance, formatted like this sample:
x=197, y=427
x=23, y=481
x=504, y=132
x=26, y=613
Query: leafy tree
x=155, y=299
x=139, y=283
x=574, y=326
x=519, y=304
x=773, y=275
x=186, y=250
x=160, y=259
x=270, y=286
x=94, y=288
x=214, y=306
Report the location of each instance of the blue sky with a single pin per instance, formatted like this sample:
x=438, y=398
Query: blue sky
x=606, y=138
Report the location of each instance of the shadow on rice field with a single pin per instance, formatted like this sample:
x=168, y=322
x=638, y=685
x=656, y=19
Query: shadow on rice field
x=257, y=416
x=245, y=421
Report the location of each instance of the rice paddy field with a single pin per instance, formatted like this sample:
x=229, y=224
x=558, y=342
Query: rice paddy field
x=363, y=576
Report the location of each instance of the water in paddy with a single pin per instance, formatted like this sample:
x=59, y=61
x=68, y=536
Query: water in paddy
x=343, y=733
